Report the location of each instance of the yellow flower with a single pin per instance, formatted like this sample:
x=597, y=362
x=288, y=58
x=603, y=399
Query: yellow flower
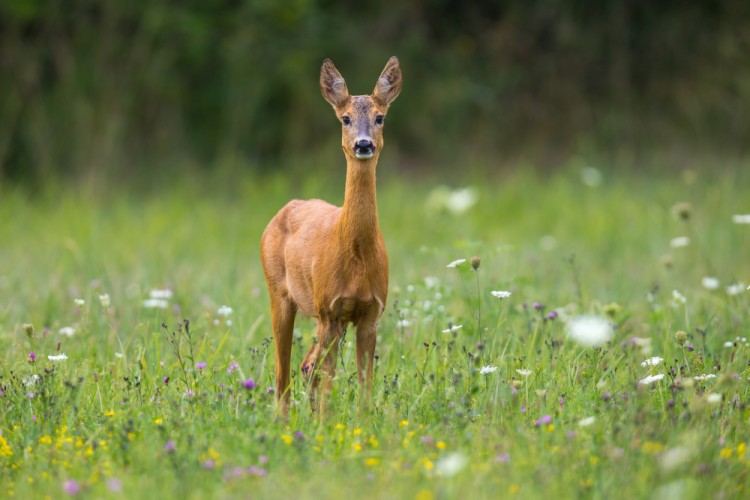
x=741, y=450
x=357, y=431
x=427, y=464
x=726, y=453
x=5, y=448
x=287, y=438
x=109, y=413
x=373, y=442
x=159, y=421
x=440, y=445
x=46, y=439
x=357, y=447
x=425, y=495
x=340, y=427
x=593, y=460
x=403, y=423
x=651, y=447
x=372, y=462
x=550, y=427
x=513, y=489
x=319, y=438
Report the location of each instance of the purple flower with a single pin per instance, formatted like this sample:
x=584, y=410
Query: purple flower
x=270, y=390
x=169, y=447
x=263, y=459
x=232, y=367
x=571, y=434
x=503, y=459
x=551, y=315
x=256, y=471
x=189, y=393
x=299, y=436
x=523, y=409
x=543, y=421
x=71, y=487
x=200, y=365
x=32, y=357
x=114, y=485
x=426, y=439
x=689, y=347
x=165, y=380
x=606, y=396
x=538, y=306
x=209, y=464
x=561, y=400
x=30, y=395
x=249, y=384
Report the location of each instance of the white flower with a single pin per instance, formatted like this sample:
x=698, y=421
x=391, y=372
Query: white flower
x=714, y=398
x=58, y=357
x=585, y=422
x=652, y=361
x=679, y=242
x=710, y=283
x=431, y=281
x=678, y=298
x=119, y=355
x=104, y=300
x=523, y=372
x=728, y=344
x=741, y=219
x=155, y=303
x=590, y=331
x=651, y=379
x=403, y=323
x=461, y=200
x=451, y=464
x=80, y=302
x=68, y=331
x=31, y=380
x=160, y=294
x=224, y=311
x=453, y=328
x=487, y=369
x=500, y=294
x=704, y=377
x=591, y=176
x=456, y=263
x=736, y=288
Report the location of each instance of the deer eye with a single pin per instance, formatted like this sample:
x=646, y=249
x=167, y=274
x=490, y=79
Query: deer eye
x=346, y=120
x=379, y=119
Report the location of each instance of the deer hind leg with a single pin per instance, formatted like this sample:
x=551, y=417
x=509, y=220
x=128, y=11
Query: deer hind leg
x=282, y=320
x=366, y=340
x=321, y=363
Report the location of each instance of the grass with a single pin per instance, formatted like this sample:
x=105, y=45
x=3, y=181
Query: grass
x=130, y=412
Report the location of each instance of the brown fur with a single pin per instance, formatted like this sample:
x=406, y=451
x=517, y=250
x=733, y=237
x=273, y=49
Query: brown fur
x=330, y=262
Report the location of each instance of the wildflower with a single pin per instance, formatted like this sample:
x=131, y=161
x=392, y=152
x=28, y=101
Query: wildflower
x=31, y=357
x=200, y=365
x=451, y=464
x=189, y=393
x=538, y=306
x=71, y=487
x=681, y=337
x=710, y=282
x=170, y=447
x=678, y=298
x=487, y=369
x=503, y=459
x=590, y=331
x=456, y=263
x=165, y=380
x=453, y=328
x=543, y=420
x=523, y=372
x=31, y=380
x=372, y=462
x=164, y=294
x=403, y=323
x=224, y=311
x=679, y=242
x=232, y=367
x=500, y=294
x=104, y=300
x=656, y=360
x=728, y=344
x=551, y=315
x=114, y=485
x=440, y=445
x=707, y=376
x=109, y=413
x=714, y=398
x=67, y=331
x=28, y=328
x=736, y=289
x=249, y=384
x=299, y=436
x=58, y=357
x=475, y=262
x=651, y=379
x=155, y=303
x=682, y=210
x=585, y=422
x=79, y=302
x=741, y=219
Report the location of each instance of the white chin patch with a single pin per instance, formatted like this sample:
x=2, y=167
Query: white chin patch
x=364, y=156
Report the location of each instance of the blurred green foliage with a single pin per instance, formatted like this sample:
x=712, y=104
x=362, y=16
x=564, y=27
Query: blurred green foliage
x=126, y=87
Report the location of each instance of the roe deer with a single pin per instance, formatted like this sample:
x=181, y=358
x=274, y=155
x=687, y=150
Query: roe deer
x=330, y=262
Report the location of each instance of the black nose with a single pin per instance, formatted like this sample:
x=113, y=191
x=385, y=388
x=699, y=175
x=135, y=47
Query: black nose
x=363, y=144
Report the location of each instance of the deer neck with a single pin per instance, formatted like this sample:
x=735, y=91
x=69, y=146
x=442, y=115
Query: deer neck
x=358, y=224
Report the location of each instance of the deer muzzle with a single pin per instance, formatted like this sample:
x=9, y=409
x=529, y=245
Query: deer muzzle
x=364, y=148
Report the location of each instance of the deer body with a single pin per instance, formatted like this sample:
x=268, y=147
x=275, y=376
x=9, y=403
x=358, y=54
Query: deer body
x=330, y=262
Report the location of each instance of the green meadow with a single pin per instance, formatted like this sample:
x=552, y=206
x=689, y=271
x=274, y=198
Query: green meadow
x=136, y=358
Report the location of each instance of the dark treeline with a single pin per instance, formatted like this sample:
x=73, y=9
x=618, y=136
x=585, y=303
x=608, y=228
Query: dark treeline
x=128, y=86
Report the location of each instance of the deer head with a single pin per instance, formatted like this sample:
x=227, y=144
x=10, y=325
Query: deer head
x=361, y=116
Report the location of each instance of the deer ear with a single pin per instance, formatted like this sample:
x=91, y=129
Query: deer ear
x=389, y=82
x=332, y=84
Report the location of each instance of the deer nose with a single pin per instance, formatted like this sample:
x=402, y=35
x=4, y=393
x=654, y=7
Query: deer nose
x=364, y=148
x=363, y=144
